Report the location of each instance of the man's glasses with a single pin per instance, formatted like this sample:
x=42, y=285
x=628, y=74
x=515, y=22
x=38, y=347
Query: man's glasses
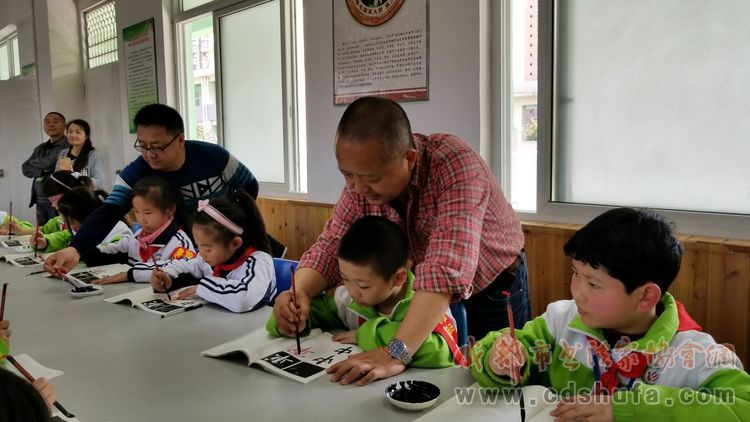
x=153, y=150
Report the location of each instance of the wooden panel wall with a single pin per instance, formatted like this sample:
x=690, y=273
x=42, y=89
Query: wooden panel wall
x=296, y=224
x=713, y=283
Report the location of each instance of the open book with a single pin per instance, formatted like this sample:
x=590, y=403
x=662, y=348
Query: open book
x=24, y=260
x=81, y=277
x=157, y=303
x=36, y=369
x=475, y=403
x=19, y=242
x=278, y=355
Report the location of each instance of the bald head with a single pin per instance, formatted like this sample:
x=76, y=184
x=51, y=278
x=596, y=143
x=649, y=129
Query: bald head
x=377, y=118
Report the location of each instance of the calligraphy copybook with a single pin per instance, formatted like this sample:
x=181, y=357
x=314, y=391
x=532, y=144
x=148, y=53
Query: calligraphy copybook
x=278, y=355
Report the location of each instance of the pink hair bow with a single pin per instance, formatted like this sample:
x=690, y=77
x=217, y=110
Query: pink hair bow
x=204, y=206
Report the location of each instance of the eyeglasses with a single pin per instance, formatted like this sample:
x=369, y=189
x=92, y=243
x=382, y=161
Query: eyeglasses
x=153, y=150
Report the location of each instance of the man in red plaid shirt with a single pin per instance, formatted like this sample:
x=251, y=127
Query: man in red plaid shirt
x=464, y=237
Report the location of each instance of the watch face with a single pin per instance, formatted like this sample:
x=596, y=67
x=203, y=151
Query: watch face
x=373, y=12
x=396, y=348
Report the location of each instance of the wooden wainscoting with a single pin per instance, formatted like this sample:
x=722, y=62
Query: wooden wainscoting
x=296, y=224
x=713, y=283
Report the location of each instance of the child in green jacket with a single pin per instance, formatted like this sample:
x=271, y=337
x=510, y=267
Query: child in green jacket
x=376, y=292
x=622, y=338
x=52, y=234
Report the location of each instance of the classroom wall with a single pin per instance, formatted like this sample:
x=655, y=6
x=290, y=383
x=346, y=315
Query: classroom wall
x=49, y=37
x=65, y=58
x=20, y=121
x=453, y=106
x=102, y=109
x=129, y=13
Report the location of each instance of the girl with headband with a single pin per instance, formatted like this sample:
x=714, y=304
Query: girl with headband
x=234, y=267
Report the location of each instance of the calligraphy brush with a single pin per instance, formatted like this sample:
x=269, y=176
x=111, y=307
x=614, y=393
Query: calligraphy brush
x=10, y=218
x=156, y=267
x=2, y=301
x=516, y=370
x=28, y=376
x=294, y=301
x=36, y=230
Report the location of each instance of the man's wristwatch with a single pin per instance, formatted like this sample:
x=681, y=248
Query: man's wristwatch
x=397, y=350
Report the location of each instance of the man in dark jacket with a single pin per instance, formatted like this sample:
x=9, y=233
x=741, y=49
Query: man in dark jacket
x=43, y=161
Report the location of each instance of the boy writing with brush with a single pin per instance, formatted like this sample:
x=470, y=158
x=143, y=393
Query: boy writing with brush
x=623, y=348
x=376, y=293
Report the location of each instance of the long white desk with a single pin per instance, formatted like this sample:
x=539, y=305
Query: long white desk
x=123, y=364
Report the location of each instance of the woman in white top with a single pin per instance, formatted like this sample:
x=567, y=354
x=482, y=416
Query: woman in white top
x=80, y=157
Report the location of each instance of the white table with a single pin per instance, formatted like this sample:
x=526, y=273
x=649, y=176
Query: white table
x=123, y=364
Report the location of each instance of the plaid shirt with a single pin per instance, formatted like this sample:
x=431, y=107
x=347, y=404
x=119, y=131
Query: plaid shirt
x=462, y=232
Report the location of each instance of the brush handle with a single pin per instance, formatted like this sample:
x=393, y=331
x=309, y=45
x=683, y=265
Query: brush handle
x=28, y=376
x=2, y=301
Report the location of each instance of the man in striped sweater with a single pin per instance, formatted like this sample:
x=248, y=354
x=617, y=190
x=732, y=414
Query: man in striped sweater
x=201, y=171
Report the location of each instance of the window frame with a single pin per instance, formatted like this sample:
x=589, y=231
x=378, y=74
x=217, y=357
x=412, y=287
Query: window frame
x=721, y=225
x=14, y=56
x=294, y=147
x=85, y=35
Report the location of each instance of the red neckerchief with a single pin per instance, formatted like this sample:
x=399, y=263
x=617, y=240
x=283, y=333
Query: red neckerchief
x=145, y=248
x=226, y=268
x=146, y=252
x=633, y=365
x=686, y=323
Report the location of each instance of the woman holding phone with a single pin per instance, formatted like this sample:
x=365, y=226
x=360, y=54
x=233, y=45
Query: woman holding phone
x=80, y=157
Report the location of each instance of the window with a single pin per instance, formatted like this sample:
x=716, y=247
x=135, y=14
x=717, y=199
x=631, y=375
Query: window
x=253, y=65
x=10, y=64
x=4, y=61
x=200, y=73
x=253, y=81
x=523, y=129
x=639, y=112
x=192, y=4
x=101, y=35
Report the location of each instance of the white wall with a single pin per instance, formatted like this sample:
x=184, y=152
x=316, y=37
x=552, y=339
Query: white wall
x=453, y=106
x=129, y=13
x=20, y=121
x=102, y=110
x=20, y=132
x=105, y=104
x=66, y=58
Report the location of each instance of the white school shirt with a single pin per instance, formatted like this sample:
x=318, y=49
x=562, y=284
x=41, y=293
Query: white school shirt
x=119, y=232
x=178, y=246
x=249, y=284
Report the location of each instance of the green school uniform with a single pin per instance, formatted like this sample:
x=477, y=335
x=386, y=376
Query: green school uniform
x=339, y=311
x=686, y=375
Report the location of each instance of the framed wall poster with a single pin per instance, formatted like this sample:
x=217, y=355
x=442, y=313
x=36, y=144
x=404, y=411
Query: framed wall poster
x=140, y=67
x=380, y=47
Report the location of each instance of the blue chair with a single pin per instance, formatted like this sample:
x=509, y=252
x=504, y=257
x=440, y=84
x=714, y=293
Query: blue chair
x=283, y=269
x=462, y=326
